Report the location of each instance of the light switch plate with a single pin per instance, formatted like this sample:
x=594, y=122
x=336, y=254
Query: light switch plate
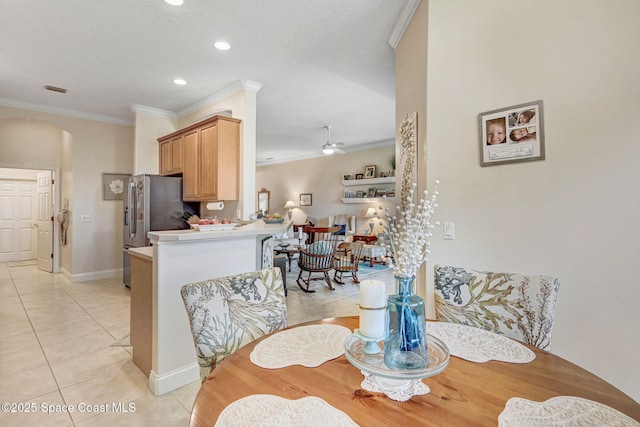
x=449, y=231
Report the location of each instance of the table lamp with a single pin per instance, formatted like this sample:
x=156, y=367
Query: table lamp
x=371, y=213
x=289, y=205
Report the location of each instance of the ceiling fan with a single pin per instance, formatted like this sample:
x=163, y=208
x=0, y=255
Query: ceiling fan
x=329, y=147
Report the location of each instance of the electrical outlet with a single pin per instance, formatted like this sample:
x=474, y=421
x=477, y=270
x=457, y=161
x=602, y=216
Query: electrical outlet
x=449, y=231
x=86, y=218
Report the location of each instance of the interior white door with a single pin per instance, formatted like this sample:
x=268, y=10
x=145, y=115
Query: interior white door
x=44, y=224
x=17, y=217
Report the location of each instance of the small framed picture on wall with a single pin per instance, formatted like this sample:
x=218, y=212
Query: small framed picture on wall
x=512, y=134
x=306, y=199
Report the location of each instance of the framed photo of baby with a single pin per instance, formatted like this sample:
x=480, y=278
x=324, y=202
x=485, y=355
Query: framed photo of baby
x=512, y=134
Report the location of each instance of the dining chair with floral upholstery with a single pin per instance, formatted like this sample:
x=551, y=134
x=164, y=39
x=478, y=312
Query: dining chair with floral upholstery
x=519, y=306
x=228, y=312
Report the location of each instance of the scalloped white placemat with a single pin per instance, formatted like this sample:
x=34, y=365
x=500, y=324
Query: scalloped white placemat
x=270, y=410
x=308, y=346
x=561, y=411
x=478, y=345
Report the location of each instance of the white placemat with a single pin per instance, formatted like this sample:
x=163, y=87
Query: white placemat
x=478, y=345
x=308, y=346
x=561, y=411
x=269, y=410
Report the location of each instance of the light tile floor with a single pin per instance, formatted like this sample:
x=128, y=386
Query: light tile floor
x=61, y=343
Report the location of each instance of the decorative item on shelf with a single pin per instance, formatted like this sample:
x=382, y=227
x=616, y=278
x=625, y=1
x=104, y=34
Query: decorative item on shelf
x=289, y=205
x=347, y=177
x=370, y=171
x=405, y=343
x=359, y=176
x=371, y=213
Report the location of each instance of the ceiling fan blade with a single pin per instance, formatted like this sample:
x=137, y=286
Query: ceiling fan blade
x=338, y=144
x=339, y=151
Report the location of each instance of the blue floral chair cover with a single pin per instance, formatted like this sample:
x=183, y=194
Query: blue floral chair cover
x=229, y=312
x=519, y=306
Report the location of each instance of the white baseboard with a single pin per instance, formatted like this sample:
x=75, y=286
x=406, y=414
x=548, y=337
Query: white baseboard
x=92, y=275
x=161, y=384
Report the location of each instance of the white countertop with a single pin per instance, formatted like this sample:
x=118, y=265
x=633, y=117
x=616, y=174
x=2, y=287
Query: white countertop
x=256, y=228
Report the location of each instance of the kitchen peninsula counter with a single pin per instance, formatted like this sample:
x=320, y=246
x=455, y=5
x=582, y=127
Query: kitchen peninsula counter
x=187, y=256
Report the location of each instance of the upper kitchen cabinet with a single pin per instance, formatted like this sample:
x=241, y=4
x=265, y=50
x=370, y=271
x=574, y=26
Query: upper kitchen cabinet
x=171, y=153
x=210, y=159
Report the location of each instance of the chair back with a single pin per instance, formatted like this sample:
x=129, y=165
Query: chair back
x=519, y=306
x=229, y=312
x=317, y=234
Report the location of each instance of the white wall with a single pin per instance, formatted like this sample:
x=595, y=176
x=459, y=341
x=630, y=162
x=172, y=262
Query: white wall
x=573, y=215
x=34, y=139
x=322, y=177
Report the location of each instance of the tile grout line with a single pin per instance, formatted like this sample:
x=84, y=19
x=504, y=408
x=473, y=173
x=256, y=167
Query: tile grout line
x=39, y=343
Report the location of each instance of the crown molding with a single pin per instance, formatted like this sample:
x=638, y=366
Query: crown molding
x=64, y=112
x=233, y=88
x=151, y=111
x=402, y=22
x=316, y=154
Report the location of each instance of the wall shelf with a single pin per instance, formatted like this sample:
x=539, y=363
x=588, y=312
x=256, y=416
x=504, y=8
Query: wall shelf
x=368, y=200
x=369, y=181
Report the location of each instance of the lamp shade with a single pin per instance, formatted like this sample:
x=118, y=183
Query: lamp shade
x=371, y=212
x=289, y=204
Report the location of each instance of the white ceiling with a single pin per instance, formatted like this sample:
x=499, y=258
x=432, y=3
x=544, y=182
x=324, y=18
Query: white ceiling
x=319, y=62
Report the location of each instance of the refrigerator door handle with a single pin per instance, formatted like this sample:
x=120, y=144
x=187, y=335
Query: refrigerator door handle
x=133, y=209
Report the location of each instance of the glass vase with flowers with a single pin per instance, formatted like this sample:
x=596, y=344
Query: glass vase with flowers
x=408, y=240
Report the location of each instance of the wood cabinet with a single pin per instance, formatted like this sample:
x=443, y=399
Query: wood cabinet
x=171, y=155
x=141, y=321
x=209, y=159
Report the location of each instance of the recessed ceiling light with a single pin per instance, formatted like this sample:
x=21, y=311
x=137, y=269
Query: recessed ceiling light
x=174, y=2
x=180, y=81
x=222, y=45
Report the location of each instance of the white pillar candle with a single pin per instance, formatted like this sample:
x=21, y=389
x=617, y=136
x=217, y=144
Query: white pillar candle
x=300, y=233
x=372, y=296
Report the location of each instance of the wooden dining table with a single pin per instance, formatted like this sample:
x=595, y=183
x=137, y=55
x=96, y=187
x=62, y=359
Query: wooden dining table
x=464, y=394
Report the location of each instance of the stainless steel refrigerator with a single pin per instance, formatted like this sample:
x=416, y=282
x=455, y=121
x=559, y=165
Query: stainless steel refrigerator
x=152, y=203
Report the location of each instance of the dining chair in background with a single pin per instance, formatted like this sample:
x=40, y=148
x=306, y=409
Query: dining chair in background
x=347, y=260
x=317, y=256
x=519, y=306
x=228, y=312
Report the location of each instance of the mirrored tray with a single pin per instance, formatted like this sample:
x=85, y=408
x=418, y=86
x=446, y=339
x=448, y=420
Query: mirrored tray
x=374, y=363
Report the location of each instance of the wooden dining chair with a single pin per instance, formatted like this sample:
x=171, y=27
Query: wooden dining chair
x=317, y=256
x=519, y=306
x=229, y=312
x=347, y=260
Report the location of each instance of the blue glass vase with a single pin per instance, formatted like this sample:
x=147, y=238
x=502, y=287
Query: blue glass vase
x=405, y=342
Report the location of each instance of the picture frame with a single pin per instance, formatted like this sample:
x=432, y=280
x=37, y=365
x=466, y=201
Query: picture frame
x=391, y=193
x=306, y=199
x=114, y=185
x=360, y=194
x=370, y=171
x=381, y=192
x=512, y=134
x=346, y=177
x=371, y=192
x=359, y=176
x=383, y=174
